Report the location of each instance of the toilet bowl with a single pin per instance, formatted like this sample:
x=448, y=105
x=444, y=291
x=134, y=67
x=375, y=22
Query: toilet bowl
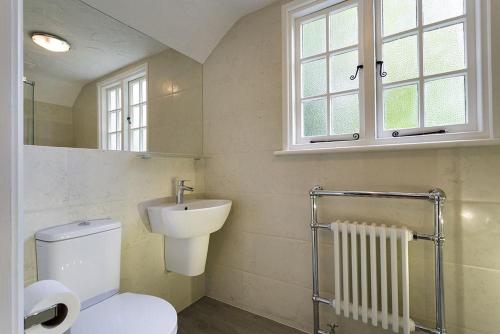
x=85, y=257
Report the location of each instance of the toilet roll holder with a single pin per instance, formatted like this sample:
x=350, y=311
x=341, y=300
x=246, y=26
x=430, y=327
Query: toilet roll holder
x=49, y=317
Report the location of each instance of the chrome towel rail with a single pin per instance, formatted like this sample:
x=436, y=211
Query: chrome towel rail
x=435, y=196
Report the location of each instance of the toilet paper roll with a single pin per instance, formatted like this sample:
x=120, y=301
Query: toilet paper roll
x=44, y=294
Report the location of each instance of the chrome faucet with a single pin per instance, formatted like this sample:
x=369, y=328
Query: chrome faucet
x=180, y=189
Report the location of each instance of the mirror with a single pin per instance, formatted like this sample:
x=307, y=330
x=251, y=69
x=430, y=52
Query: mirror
x=114, y=89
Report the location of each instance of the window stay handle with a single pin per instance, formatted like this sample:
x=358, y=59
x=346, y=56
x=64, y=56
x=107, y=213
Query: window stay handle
x=396, y=134
x=380, y=65
x=355, y=136
x=359, y=67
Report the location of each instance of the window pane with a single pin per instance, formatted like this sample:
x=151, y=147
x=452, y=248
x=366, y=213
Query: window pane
x=134, y=140
x=400, y=59
x=438, y=10
x=144, y=116
x=144, y=135
x=119, y=98
x=401, y=108
x=314, y=37
x=314, y=78
x=112, y=99
x=118, y=140
x=345, y=114
x=398, y=15
x=134, y=91
x=314, y=118
x=342, y=66
x=144, y=95
x=112, y=122
x=445, y=102
x=119, y=120
x=344, y=28
x=135, y=117
x=112, y=141
x=444, y=49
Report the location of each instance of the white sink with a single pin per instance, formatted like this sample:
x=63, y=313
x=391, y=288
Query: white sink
x=187, y=229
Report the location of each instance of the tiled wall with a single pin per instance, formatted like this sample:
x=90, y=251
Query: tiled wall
x=260, y=260
x=63, y=185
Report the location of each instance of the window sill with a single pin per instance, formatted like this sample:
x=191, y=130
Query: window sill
x=391, y=147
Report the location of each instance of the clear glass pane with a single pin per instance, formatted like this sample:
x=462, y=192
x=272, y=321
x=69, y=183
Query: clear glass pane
x=144, y=94
x=438, y=10
x=144, y=115
x=119, y=121
x=345, y=114
x=401, y=108
x=444, y=49
x=401, y=59
x=134, y=89
x=112, y=141
x=112, y=122
x=112, y=99
x=344, y=28
x=144, y=144
x=342, y=66
x=314, y=78
x=314, y=118
x=135, y=115
x=134, y=140
x=314, y=37
x=398, y=15
x=445, y=102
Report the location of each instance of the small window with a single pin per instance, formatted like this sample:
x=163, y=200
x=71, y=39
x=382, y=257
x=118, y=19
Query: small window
x=123, y=110
x=385, y=73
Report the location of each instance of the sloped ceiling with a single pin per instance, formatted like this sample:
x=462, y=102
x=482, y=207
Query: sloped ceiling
x=192, y=27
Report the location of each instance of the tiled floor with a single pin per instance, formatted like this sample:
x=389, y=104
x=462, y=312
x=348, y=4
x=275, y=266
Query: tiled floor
x=209, y=316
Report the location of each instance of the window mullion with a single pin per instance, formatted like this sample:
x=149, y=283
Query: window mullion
x=421, y=93
x=328, y=107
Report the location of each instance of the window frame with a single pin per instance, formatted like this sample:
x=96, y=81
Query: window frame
x=487, y=127
x=121, y=80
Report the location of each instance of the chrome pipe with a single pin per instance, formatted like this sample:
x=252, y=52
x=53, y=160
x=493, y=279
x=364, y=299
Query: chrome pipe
x=322, y=300
x=315, y=274
x=426, y=329
x=439, y=263
x=379, y=194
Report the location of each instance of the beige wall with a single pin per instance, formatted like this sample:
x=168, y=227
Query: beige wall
x=260, y=260
x=53, y=124
x=63, y=185
x=175, y=105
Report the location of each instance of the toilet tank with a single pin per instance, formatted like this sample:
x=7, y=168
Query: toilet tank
x=84, y=256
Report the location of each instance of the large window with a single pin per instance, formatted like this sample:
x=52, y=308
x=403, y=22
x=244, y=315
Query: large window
x=123, y=111
x=376, y=72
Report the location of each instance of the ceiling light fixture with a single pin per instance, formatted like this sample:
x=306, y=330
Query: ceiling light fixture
x=50, y=42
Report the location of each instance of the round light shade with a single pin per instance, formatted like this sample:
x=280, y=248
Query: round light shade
x=50, y=42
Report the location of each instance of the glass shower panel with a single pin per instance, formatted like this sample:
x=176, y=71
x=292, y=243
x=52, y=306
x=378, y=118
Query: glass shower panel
x=29, y=112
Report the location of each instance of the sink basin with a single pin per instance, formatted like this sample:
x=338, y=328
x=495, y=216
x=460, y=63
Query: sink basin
x=187, y=229
x=190, y=219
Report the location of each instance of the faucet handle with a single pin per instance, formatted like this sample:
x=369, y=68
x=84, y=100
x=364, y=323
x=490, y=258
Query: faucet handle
x=181, y=182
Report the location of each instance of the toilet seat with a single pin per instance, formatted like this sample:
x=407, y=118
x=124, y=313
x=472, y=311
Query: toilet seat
x=127, y=313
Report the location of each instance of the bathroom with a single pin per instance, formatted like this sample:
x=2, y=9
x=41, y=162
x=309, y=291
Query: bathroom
x=237, y=111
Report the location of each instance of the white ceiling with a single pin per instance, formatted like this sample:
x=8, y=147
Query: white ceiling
x=193, y=27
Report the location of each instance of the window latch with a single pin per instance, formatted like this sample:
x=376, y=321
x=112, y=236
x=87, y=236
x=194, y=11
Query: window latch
x=128, y=120
x=380, y=65
x=355, y=136
x=396, y=134
x=359, y=67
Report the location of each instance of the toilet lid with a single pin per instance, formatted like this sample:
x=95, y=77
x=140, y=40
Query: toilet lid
x=127, y=313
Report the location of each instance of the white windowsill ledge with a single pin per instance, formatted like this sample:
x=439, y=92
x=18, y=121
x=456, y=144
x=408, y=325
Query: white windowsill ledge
x=392, y=147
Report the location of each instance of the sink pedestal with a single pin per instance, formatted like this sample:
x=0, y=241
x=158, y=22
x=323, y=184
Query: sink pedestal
x=186, y=256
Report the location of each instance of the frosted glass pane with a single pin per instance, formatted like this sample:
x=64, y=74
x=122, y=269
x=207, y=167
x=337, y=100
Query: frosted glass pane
x=401, y=59
x=444, y=49
x=134, y=88
x=144, y=93
x=112, y=99
x=342, y=66
x=438, y=10
x=135, y=117
x=445, y=102
x=314, y=37
x=344, y=28
x=144, y=135
x=345, y=114
x=119, y=101
x=401, y=108
x=119, y=141
x=398, y=15
x=314, y=118
x=144, y=116
x=112, y=122
x=119, y=120
x=314, y=78
x=112, y=141
x=135, y=140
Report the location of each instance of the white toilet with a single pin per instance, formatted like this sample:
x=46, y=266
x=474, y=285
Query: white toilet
x=85, y=257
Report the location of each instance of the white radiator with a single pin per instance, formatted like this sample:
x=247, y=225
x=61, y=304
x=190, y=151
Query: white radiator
x=354, y=299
